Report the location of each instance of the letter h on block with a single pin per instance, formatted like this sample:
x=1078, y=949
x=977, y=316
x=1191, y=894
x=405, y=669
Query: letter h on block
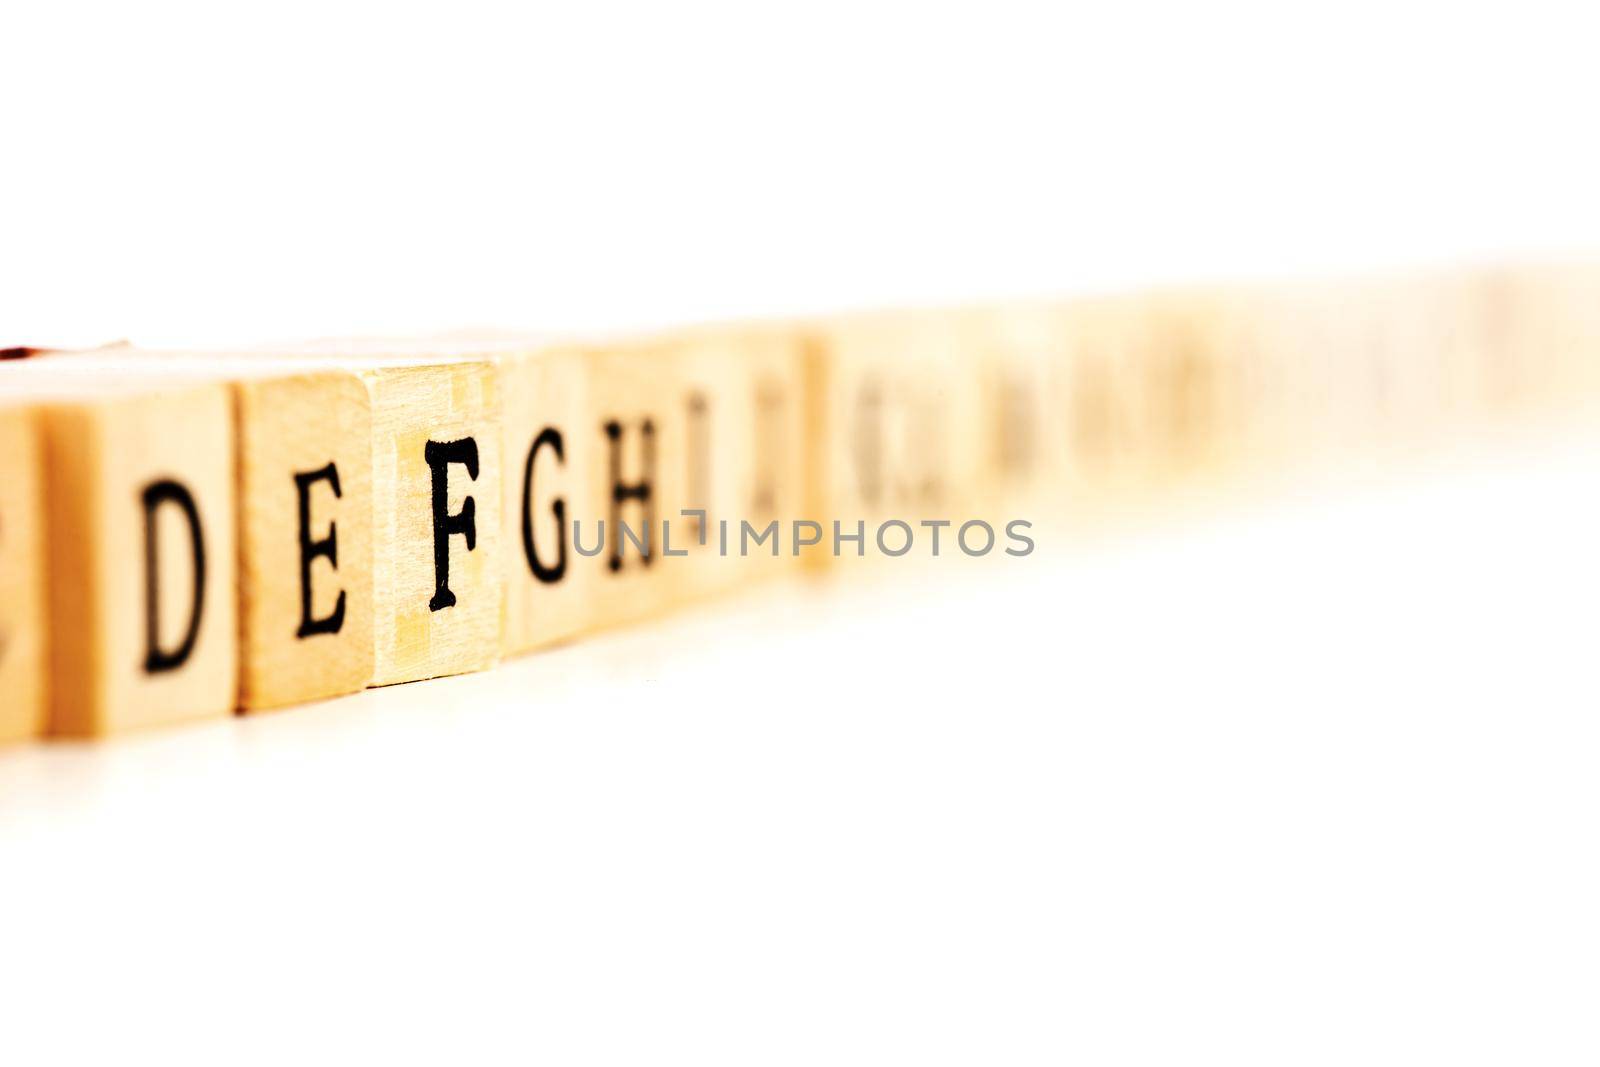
x=636, y=481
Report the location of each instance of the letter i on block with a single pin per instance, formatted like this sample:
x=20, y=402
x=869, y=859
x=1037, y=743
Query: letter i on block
x=740, y=396
x=22, y=575
x=140, y=510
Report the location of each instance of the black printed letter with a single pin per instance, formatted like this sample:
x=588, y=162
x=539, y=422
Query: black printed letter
x=548, y=437
x=622, y=492
x=327, y=547
x=439, y=456
x=156, y=658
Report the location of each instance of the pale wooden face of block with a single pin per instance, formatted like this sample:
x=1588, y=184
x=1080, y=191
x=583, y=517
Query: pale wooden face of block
x=741, y=400
x=1019, y=419
x=1017, y=350
x=437, y=576
x=636, y=426
x=903, y=427
x=549, y=442
x=1115, y=430
x=305, y=521
x=143, y=561
x=1553, y=329
x=22, y=578
x=1192, y=385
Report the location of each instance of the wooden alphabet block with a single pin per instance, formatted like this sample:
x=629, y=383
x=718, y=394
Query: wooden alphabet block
x=142, y=576
x=637, y=448
x=1112, y=385
x=303, y=438
x=1303, y=377
x=23, y=621
x=1572, y=304
x=1020, y=351
x=1539, y=331
x=438, y=576
x=740, y=393
x=897, y=423
x=1259, y=416
x=1508, y=384
x=549, y=449
x=306, y=535
x=1552, y=329
x=1194, y=385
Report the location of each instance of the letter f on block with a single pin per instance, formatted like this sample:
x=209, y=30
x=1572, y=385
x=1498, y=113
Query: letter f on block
x=439, y=456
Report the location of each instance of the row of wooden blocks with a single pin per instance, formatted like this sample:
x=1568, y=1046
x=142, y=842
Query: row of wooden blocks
x=185, y=534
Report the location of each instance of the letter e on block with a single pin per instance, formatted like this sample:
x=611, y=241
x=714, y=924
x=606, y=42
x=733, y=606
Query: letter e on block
x=305, y=527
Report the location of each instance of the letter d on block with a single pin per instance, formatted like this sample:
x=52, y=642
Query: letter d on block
x=142, y=551
x=155, y=496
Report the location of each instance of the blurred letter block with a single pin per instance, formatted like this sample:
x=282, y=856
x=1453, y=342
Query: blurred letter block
x=742, y=468
x=22, y=576
x=896, y=419
x=636, y=445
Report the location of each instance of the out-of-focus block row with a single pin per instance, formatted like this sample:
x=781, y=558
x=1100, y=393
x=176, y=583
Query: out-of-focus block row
x=183, y=534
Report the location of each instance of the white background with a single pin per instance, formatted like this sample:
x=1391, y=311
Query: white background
x=1308, y=784
x=202, y=171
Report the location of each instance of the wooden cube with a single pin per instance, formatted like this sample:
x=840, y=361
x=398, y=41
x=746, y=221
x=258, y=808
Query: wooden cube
x=549, y=449
x=1260, y=418
x=435, y=482
x=23, y=620
x=1310, y=387
x=740, y=393
x=1548, y=324
x=142, y=560
x=438, y=577
x=896, y=421
x=304, y=439
x=637, y=448
x=1193, y=365
x=1113, y=382
x=1019, y=349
